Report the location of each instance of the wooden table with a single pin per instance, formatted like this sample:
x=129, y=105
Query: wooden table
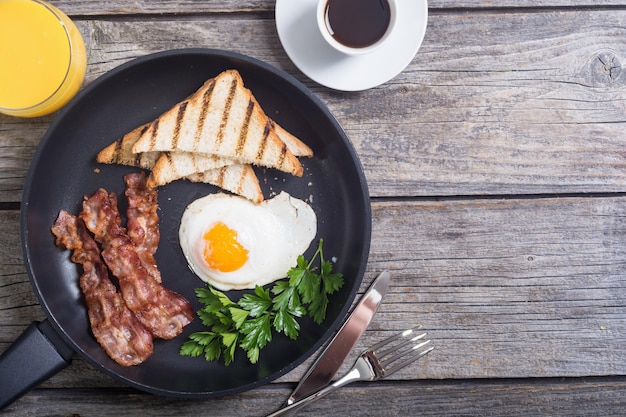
x=496, y=163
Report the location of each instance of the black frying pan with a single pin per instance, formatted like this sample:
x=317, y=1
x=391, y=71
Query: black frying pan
x=63, y=170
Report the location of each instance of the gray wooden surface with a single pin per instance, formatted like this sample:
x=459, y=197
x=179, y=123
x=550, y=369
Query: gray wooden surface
x=496, y=164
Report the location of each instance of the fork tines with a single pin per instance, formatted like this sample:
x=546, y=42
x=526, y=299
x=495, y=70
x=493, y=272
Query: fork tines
x=400, y=350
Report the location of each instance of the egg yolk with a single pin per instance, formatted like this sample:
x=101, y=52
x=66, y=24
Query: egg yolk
x=222, y=251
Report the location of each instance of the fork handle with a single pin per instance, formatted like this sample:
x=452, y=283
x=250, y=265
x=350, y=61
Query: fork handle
x=353, y=375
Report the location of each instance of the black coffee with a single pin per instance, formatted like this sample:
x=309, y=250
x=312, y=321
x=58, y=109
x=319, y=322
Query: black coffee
x=357, y=23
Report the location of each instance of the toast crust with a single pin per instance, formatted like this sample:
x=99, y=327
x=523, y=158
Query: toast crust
x=120, y=151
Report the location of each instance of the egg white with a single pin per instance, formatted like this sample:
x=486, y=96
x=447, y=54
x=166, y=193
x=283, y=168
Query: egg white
x=274, y=232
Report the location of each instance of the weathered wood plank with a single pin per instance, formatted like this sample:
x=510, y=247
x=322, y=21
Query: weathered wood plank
x=117, y=7
x=557, y=398
x=512, y=288
x=528, y=281
x=529, y=103
x=510, y=110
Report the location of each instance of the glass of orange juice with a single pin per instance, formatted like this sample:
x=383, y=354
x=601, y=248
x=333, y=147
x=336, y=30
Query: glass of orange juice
x=42, y=58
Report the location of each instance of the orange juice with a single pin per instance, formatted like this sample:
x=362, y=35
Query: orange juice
x=42, y=58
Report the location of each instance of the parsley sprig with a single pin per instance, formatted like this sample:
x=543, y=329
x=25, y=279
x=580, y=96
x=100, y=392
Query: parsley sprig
x=248, y=323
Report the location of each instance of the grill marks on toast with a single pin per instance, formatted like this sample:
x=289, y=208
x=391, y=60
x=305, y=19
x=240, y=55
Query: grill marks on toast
x=226, y=114
x=239, y=179
x=154, y=130
x=206, y=99
x=220, y=177
x=245, y=181
x=170, y=163
x=211, y=136
x=139, y=157
x=182, y=107
x=282, y=155
x=241, y=184
x=243, y=132
x=236, y=178
x=120, y=151
x=175, y=165
x=260, y=153
x=228, y=117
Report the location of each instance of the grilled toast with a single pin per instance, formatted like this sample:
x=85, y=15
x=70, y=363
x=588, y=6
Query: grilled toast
x=120, y=151
x=221, y=118
x=236, y=178
x=171, y=166
x=239, y=179
x=178, y=144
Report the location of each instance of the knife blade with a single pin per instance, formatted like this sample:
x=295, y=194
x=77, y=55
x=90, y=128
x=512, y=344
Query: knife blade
x=328, y=362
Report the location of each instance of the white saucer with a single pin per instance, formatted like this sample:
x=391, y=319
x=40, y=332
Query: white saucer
x=303, y=43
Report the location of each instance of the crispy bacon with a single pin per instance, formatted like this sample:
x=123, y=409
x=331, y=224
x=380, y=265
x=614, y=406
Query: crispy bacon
x=114, y=326
x=163, y=312
x=143, y=220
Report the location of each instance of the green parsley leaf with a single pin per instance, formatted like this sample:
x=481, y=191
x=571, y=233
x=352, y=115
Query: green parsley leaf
x=229, y=342
x=286, y=323
x=238, y=315
x=317, y=309
x=309, y=288
x=191, y=348
x=213, y=350
x=248, y=323
x=212, y=300
x=286, y=299
x=332, y=283
x=257, y=332
x=297, y=274
x=253, y=354
x=256, y=304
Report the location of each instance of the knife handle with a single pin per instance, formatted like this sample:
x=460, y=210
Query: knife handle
x=355, y=374
x=290, y=409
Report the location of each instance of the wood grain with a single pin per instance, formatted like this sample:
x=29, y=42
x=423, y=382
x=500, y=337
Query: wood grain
x=556, y=398
x=492, y=115
x=506, y=288
x=147, y=7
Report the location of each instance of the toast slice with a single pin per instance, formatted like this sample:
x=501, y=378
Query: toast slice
x=221, y=118
x=120, y=151
x=236, y=178
x=171, y=166
x=295, y=145
x=239, y=179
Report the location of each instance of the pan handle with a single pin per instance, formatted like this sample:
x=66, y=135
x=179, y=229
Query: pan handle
x=34, y=357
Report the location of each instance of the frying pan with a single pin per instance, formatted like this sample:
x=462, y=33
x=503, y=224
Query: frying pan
x=64, y=170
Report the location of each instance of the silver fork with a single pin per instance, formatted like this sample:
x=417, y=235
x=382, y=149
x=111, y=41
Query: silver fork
x=378, y=362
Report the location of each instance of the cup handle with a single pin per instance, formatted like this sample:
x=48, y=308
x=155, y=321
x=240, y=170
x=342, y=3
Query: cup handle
x=37, y=354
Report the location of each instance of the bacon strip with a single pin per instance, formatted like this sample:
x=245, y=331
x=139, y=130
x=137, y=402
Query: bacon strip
x=163, y=312
x=114, y=326
x=143, y=220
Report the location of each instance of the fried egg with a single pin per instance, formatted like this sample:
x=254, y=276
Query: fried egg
x=233, y=243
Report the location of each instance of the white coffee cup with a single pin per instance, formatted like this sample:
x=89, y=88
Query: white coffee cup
x=352, y=35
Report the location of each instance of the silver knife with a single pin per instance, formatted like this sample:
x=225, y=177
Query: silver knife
x=326, y=365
